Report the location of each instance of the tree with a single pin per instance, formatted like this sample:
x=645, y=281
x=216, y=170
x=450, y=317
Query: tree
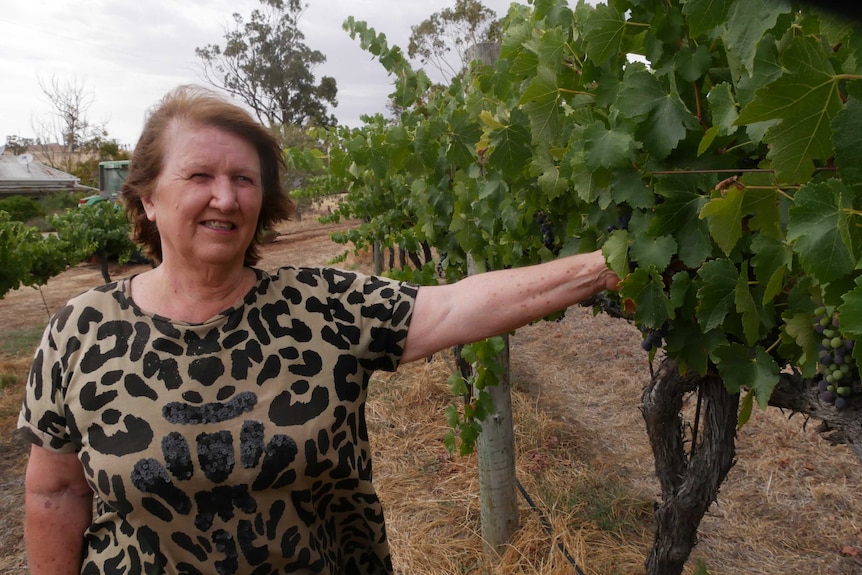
x=67, y=124
x=451, y=32
x=265, y=63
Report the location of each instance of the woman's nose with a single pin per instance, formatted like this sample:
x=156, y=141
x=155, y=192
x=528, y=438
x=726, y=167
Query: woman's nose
x=224, y=196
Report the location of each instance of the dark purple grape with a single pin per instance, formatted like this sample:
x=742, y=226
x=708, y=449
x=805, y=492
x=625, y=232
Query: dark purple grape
x=840, y=402
x=822, y=385
x=819, y=328
x=828, y=397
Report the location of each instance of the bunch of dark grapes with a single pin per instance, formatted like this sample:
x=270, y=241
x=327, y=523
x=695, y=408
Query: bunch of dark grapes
x=839, y=376
x=547, y=228
x=653, y=339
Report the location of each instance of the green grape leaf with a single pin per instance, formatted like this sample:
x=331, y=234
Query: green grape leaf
x=847, y=127
x=615, y=250
x=717, y=293
x=724, y=216
x=549, y=178
x=691, y=346
x=746, y=406
x=705, y=15
x=603, y=31
x=628, y=187
x=639, y=93
x=741, y=367
x=814, y=226
x=653, y=252
x=747, y=308
x=851, y=314
x=691, y=65
x=798, y=326
x=747, y=22
x=723, y=108
x=464, y=135
x=642, y=97
x=771, y=261
x=807, y=99
x=511, y=148
x=609, y=148
x=679, y=215
x=647, y=289
x=668, y=124
x=541, y=103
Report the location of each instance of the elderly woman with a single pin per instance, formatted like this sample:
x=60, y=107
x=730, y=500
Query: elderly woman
x=215, y=411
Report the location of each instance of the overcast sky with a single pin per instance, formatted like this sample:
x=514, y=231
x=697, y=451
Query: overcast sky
x=129, y=53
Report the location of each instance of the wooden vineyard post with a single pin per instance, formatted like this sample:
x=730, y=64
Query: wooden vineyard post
x=496, y=451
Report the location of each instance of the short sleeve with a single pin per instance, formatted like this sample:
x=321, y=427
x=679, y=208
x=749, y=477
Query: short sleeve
x=364, y=314
x=42, y=420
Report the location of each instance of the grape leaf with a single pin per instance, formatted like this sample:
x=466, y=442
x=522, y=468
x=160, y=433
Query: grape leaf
x=814, y=227
x=653, y=252
x=511, y=147
x=772, y=259
x=549, y=178
x=691, y=65
x=851, y=314
x=628, y=187
x=723, y=109
x=609, y=148
x=806, y=98
x=639, y=93
x=615, y=250
x=603, y=32
x=741, y=367
x=691, y=346
x=678, y=215
x=647, y=289
x=746, y=307
x=704, y=15
x=747, y=22
x=724, y=216
x=798, y=326
x=668, y=124
x=716, y=292
x=847, y=127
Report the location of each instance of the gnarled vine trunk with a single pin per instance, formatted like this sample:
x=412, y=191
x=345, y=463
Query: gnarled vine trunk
x=689, y=481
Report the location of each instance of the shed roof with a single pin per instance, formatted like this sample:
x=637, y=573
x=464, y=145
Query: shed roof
x=21, y=175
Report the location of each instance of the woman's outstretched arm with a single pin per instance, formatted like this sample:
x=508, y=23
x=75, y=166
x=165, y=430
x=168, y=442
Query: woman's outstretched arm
x=497, y=302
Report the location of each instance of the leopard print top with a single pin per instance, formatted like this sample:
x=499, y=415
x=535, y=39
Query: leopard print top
x=238, y=445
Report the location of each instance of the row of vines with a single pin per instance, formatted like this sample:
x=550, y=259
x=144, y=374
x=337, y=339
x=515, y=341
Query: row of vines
x=29, y=257
x=711, y=148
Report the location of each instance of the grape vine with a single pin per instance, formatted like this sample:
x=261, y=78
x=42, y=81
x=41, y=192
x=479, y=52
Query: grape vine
x=711, y=148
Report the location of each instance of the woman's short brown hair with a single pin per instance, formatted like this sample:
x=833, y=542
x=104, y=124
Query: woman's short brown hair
x=202, y=107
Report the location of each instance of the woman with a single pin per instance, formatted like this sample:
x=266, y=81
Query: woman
x=215, y=411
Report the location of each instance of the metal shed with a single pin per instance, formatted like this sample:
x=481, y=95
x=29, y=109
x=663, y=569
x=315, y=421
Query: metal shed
x=21, y=175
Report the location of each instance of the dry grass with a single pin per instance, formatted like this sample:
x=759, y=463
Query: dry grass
x=431, y=499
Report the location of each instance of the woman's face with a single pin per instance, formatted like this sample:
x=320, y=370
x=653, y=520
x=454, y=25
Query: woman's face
x=207, y=198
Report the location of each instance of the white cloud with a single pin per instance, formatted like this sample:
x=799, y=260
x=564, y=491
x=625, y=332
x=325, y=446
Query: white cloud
x=129, y=53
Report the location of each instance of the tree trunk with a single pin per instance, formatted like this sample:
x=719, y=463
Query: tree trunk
x=103, y=267
x=689, y=483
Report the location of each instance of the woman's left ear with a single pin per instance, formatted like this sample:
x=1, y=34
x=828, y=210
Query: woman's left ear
x=149, y=207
